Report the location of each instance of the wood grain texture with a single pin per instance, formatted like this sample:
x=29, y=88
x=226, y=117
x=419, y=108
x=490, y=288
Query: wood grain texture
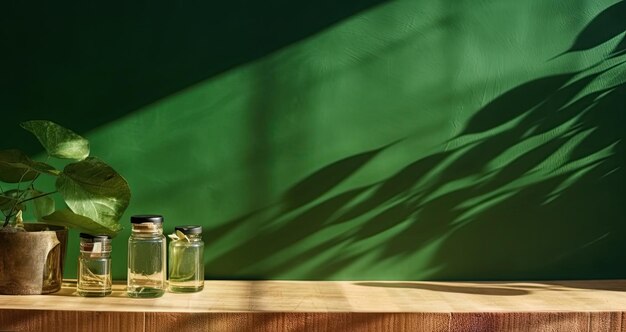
x=316, y=322
x=332, y=306
x=606, y=321
x=525, y=321
x=70, y=321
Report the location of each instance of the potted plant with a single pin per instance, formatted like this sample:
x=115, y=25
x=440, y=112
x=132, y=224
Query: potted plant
x=95, y=197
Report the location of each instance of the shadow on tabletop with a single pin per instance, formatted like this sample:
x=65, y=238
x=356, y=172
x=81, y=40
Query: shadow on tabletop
x=474, y=289
x=504, y=288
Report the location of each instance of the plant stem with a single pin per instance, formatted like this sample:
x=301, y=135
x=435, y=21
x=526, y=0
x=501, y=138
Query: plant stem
x=38, y=196
x=2, y=195
x=22, y=178
x=8, y=216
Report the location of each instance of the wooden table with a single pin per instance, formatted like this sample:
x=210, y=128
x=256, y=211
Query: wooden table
x=332, y=306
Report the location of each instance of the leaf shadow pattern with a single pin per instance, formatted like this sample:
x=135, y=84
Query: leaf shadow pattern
x=606, y=25
x=530, y=190
x=548, y=211
x=619, y=48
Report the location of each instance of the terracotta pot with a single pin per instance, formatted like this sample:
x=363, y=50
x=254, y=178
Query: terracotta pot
x=31, y=262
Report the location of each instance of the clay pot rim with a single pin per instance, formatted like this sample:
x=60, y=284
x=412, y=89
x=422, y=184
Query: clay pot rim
x=37, y=227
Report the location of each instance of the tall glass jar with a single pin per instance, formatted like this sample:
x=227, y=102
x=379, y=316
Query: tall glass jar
x=94, y=265
x=146, y=257
x=186, y=264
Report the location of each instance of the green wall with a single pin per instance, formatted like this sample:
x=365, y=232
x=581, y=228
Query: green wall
x=380, y=140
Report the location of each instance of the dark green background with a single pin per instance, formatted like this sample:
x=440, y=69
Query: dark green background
x=357, y=140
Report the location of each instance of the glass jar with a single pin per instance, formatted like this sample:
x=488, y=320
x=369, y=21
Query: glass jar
x=186, y=264
x=146, y=257
x=94, y=265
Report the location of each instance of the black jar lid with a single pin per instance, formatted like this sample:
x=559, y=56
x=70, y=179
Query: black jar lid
x=189, y=229
x=97, y=237
x=143, y=218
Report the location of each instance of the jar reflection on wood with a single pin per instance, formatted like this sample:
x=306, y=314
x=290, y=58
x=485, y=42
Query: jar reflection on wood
x=146, y=257
x=94, y=265
x=186, y=264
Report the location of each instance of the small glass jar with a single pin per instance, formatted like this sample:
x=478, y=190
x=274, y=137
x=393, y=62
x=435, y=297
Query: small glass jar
x=146, y=257
x=186, y=264
x=94, y=265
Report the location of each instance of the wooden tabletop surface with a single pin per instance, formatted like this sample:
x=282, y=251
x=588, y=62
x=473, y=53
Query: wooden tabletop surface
x=350, y=296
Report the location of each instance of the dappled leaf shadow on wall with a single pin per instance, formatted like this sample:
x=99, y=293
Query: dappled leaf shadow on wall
x=528, y=191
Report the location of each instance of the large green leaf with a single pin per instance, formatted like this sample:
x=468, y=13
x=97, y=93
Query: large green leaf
x=16, y=166
x=83, y=224
x=58, y=141
x=93, y=189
